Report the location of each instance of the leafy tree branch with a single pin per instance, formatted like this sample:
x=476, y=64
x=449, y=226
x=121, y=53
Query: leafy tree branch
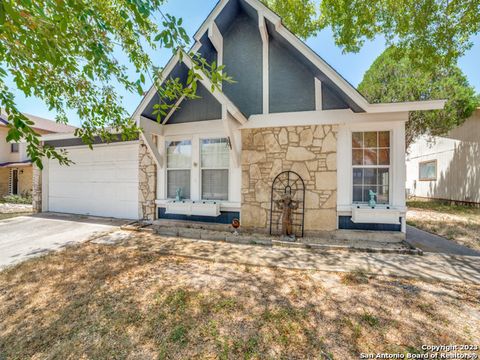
x=429, y=32
x=390, y=79
x=63, y=52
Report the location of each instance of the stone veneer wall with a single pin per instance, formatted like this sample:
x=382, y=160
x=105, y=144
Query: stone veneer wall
x=36, y=189
x=147, y=183
x=25, y=180
x=310, y=151
x=4, y=181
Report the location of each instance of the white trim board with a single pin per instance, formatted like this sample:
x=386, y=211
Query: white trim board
x=326, y=117
x=262, y=26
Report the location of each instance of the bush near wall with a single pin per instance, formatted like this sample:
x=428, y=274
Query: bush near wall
x=17, y=199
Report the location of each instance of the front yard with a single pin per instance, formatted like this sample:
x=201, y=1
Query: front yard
x=460, y=224
x=103, y=302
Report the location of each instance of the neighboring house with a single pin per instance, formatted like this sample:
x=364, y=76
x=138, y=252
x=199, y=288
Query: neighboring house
x=15, y=166
x=447, y=167
x=289, y=117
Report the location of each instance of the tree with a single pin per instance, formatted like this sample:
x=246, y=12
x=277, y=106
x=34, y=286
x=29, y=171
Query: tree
x=63, y=52
x=430, y=32
x=391, y=79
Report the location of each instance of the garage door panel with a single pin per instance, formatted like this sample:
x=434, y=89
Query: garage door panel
x=102, y=182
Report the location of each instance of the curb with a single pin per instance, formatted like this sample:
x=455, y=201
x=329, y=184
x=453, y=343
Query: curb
x=227, y=237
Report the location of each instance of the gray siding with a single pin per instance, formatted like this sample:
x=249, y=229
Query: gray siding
x=207, y=50
x=331, y=100
x=243, y=61
x=180, y=71
x=292, y=84
x=205, y=108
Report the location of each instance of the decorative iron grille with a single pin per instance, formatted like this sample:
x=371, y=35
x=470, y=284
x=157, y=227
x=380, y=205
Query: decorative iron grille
x=287, y=182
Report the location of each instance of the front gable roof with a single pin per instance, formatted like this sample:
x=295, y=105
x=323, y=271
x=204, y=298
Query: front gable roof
x=336, y=93
x=302, y=52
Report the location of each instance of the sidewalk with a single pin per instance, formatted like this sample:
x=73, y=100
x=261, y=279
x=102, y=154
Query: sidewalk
x=438, y=267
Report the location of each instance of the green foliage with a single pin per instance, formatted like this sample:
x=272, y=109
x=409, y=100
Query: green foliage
x=17, y=199
x=394, y=78
x=300, y=16
x=63, y=52
x=429, y=32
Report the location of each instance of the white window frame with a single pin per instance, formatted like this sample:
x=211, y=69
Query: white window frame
x=389, y=166
x=435, y=161
x=195, y=170
x=201, y=168
x=166, y=169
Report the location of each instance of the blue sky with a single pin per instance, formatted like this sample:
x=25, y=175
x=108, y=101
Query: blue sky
x=193, y=12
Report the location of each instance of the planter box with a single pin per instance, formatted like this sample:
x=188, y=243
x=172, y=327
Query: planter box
x=197, y=208
x=367, y=215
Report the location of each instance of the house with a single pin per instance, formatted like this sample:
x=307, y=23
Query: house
x=15, y=165
x=289, y=125
x=447, y=167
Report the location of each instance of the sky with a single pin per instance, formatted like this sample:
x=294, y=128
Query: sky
x=351, y=66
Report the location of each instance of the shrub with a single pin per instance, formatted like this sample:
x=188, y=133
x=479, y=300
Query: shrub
x=17, y=199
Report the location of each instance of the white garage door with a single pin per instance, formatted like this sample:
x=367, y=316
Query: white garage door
x=102, y=182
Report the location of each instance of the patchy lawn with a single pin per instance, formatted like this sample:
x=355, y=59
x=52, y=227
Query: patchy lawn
x=457, y=223
x=102, y=302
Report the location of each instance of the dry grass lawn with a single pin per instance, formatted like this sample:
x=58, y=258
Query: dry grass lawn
x=12, y=215
x=124, y=302
x=457, y=223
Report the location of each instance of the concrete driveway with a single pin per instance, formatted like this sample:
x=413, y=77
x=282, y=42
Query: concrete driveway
x=436, y=244
x=27, y=236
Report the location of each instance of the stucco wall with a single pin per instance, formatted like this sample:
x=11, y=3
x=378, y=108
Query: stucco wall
x=310, y=151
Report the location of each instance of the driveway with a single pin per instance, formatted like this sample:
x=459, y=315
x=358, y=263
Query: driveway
x=27, y=236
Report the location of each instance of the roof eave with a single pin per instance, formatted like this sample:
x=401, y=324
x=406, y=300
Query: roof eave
x=406, y=106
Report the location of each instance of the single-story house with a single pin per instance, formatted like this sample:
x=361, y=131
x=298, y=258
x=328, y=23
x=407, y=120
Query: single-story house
x=290, y=124
x=447, y=167
x=15, y=165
